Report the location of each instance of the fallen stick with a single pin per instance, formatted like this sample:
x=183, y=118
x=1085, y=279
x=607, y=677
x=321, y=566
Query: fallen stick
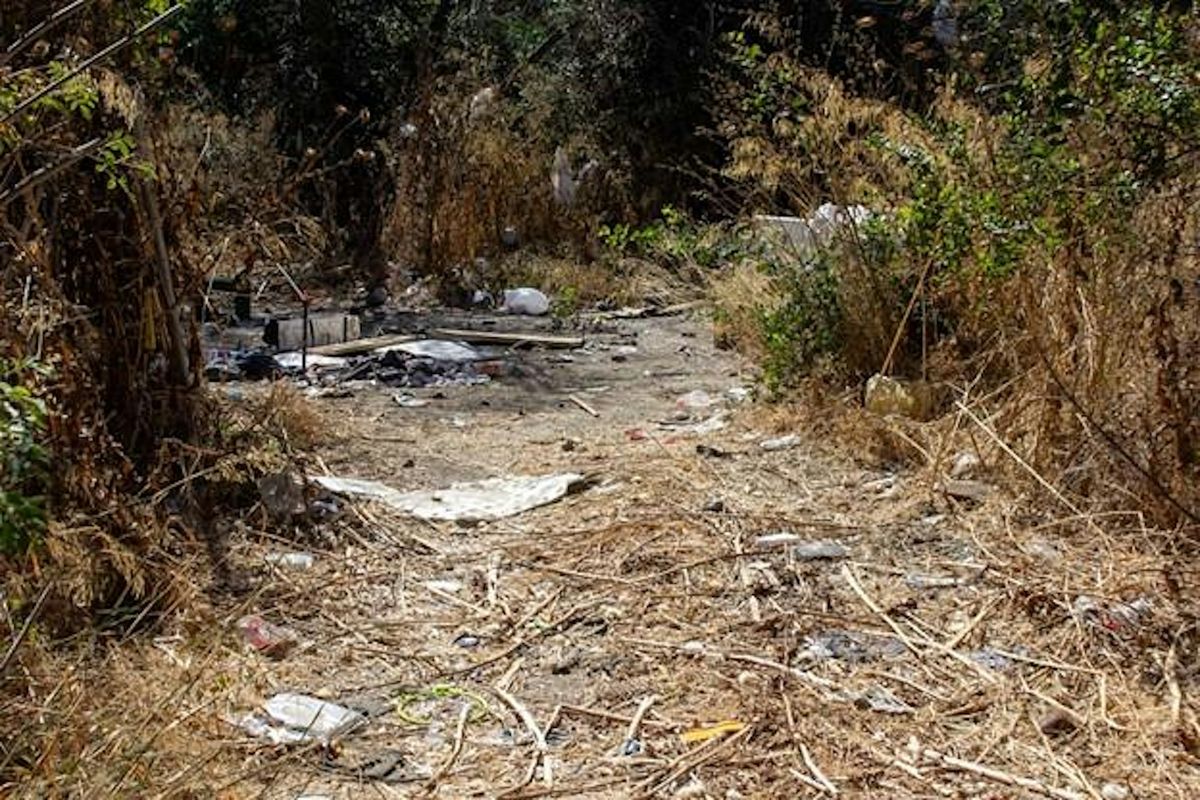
x=600, y=713
x=360, y=346
x=526, y=717
x=1033, y=473
x=690, y=761
x=459, y=733
x=635, y=724
x=497, y=337
x=909, y=641
x=816, y=771
x=577, y=401
x=999, y=776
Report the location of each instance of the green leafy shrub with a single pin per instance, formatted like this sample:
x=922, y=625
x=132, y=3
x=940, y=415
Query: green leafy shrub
x=24, y=460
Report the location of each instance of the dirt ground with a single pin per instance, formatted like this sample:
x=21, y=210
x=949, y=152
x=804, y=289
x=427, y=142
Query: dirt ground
x=639, y=637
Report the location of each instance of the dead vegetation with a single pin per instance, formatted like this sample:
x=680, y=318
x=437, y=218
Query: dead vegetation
x=625, y=644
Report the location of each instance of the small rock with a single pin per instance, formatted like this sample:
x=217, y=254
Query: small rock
x=566, y=662
x=974, y=491
x=1114, y=791
x=693, y=788
x=711, y=452
x=780, y=443
x=715, y=506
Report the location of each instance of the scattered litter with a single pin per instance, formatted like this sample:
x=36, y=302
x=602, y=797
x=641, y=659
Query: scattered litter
x=429, y=698
x=878, y=698
x=324, y=509
x=494, y=498
x=711, y=452
x=992, y=659
x=525, y=301
x=293, y=359
x=851, y=646
x=266, y=637
x=632, y=747
x=448, y=586
x=466, y=640
x=917, y=580
x=436, y=349
x=715, y=505
x=964, y=465
x=1129, y=615
x=636, y=434
x=704, y=733
x=405, y=400
x=886, y=396
x=294, y=718
x=282, y=495
x=770, y=540
x=1119, y=617
x=291, y=560
x=780, y=443
x=713, y=424
x=739, y=394
x=805, y=235
x=696, y=400
x=821, y=550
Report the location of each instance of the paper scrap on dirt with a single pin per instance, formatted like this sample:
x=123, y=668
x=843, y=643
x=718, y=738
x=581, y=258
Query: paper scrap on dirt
x=494, y=498
x=295, y=718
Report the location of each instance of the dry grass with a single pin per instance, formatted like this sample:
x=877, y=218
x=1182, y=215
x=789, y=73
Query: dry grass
x=587, y=609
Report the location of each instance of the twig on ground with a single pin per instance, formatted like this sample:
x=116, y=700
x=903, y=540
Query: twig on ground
x=816, y=771
x=579, y=402
x=999, y=776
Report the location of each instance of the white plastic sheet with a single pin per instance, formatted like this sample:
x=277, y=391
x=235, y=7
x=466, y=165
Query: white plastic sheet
x=437, y=349
x=494, y=498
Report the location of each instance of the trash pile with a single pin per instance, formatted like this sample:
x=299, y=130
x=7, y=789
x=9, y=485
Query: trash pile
x=415, y=364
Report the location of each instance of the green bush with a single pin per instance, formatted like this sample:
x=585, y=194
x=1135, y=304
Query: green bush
x=24, y=460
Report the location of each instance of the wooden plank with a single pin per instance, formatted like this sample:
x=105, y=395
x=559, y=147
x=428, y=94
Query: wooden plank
x=360, y=346
x=496, y=337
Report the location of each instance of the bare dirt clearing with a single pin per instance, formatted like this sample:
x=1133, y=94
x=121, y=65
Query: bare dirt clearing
x=641, y=637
